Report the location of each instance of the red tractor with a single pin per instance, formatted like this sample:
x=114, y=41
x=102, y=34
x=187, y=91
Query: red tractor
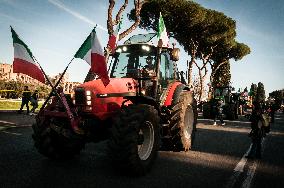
x=144, y=108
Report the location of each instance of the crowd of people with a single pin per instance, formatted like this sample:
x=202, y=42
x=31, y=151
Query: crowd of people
x=27, y=98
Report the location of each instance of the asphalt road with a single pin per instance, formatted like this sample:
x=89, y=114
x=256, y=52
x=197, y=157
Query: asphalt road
x=217, y=160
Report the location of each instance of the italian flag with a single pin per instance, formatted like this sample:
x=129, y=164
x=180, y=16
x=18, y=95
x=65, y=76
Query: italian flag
x=91, y=51
x=113, y=39
x=23, y=59
x=162, y=32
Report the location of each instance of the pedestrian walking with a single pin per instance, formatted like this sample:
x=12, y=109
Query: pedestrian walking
x=34, y=101
x=26, y=96
x=217, y=111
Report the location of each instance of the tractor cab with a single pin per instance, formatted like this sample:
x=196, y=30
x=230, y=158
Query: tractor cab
x=222, y=93
x=152, y=67
x=140, y=62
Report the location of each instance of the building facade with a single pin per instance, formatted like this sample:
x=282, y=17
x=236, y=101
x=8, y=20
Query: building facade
x=7, y=74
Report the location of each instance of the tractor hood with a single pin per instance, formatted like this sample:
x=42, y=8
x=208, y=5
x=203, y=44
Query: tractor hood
x=116, y=86
x=93, y=97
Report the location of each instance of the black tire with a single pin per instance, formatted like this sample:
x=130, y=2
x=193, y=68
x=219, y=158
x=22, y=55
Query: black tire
x=126, y=154
x=183, y=122
x=53, y=145
x=207, y=110
x=230, y=111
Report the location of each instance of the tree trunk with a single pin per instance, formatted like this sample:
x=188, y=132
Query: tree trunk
x=201, y=80
x=189, y=75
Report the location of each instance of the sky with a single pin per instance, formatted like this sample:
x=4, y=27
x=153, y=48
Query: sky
x=55, y=29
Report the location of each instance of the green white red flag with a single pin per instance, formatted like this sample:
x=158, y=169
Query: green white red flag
x=23, y=59
x=162, y=32
x=92, y=52
x=113, y=39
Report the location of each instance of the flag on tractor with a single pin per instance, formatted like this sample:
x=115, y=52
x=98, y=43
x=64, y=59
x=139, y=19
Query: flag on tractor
x=91, y=51
x=162, y=32
x=23, y=59
x=113, y=39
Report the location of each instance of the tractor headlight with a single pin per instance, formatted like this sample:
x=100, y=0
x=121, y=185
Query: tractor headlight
x=146, y=48
x=118, y=50
x=88, y=100
x=88, y=93
x=124, y=48
x=88, y=108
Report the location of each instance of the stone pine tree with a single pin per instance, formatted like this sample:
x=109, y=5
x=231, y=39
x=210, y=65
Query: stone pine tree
x=253, y=90
x=222, y=56
x=260, y=93
x=222, y=76
x=278, y=97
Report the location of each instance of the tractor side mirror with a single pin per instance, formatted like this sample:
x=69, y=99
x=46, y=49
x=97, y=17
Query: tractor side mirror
x=175, y=54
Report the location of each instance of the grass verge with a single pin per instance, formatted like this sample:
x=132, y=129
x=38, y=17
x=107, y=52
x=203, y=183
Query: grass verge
x=14, y=105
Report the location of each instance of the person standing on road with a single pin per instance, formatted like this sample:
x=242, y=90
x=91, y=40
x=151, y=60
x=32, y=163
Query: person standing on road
x=272, y=113
x=217, y=111
x=26, y=96
x=34, y=101
x=257, y=132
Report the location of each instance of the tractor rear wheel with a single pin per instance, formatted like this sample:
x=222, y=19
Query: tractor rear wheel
x=183, y=122
x=230, y=111
x=54, y=141
x=207, y=110
x=134, y=140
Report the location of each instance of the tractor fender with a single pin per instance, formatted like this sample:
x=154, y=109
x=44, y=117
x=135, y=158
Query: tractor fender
x=178, y=91
x=173, y=93
x=143, y=100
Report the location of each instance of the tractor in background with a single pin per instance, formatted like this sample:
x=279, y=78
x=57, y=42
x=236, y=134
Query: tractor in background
x=144, y=108
x=230, y=103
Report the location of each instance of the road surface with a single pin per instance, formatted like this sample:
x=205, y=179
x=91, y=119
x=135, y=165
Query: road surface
x=217, y=160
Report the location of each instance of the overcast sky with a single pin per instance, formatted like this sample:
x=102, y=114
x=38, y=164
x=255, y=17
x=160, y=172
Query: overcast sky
x=55, y=29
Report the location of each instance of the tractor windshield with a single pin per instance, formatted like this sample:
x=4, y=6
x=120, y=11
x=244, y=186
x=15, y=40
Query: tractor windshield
x=221, y=91
x=129, y=59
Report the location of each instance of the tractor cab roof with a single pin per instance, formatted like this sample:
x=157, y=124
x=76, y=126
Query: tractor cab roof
x=146, y=39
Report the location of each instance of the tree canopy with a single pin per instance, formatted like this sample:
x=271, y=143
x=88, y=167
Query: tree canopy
x=260, y=93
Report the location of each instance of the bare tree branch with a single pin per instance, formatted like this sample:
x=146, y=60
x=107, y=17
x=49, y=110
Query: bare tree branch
x=215, y=69
x=121, y=10
x=138, y=5
x=109, y=17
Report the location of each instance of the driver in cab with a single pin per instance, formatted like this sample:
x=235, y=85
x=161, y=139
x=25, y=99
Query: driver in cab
x=149, y=69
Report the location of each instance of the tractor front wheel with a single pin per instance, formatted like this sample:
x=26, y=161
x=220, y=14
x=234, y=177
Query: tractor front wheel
x=183, y=123
x=54, y=141
x=134, y=140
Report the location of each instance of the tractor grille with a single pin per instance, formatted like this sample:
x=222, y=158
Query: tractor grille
x=80, y=97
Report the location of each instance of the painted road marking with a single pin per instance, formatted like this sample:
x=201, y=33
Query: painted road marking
x=240, y=166
x=251, y=170
x=240, y=169
x=245, y=122
x=7, y=122
x=250, y=175
x=7, y=132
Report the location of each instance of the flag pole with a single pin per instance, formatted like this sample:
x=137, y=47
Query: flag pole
x=52, y=86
